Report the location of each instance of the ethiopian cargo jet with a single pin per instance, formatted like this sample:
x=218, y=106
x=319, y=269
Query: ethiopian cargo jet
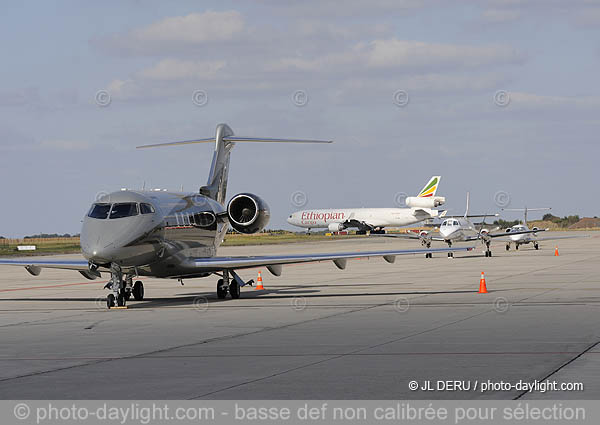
x=374, y=219
x=176, y=235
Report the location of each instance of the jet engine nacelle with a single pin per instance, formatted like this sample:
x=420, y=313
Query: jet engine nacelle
x=423, y=234
x=535, y=229
x=416, y=202
x=248, y=213
x=336, y=227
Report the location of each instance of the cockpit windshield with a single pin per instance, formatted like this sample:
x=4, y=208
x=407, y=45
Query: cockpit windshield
x=146, y=209
x=123, y=210
x=99, y=211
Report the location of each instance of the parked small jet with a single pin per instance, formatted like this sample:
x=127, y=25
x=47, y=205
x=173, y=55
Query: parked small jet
x=461, y=229
x=526, y=238
x=374, y=219
x=176, y=235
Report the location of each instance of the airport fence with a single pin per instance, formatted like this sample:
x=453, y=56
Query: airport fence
x=8, y=243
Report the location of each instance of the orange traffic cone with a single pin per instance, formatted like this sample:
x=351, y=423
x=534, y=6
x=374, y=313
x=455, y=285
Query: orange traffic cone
x=482, y=287
x=259, y=284
x=556, y=251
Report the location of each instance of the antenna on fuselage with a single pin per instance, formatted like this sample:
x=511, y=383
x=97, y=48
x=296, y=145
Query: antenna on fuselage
x=467, y=208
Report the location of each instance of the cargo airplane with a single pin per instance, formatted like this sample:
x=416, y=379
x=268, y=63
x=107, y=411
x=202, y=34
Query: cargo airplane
x=374, y=219
x=175, y=235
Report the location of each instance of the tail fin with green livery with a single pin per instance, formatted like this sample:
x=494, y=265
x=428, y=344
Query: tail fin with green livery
x=430, y=188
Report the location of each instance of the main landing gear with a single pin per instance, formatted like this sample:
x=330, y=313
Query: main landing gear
x=508, y=246
x=428, y=254
x=536, y=245
x=230, y=285
x=123, y=288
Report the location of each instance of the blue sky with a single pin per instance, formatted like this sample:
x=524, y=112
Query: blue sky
x=59, y=148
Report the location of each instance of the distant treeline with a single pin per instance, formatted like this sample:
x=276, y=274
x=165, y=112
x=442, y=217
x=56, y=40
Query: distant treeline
x=566, y=221
x=50, y=236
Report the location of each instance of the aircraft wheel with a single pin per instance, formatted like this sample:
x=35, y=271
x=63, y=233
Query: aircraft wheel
x=121, y=301
x=138, y=291
x=221, y=290
x=234, y=290
x=110, y=301
x=507, y=247
x=536, y=246
x=517, y=247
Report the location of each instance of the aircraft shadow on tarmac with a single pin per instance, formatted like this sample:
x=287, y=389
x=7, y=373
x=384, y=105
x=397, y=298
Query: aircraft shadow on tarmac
x=199, y=299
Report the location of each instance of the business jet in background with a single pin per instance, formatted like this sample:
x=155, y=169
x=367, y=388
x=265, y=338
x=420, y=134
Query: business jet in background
x=175, y=235
x=461, y=229
x=513, y=235
x=420, y=208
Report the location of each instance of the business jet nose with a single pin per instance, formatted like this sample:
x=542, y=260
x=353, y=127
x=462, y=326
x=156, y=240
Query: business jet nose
x=98, y=245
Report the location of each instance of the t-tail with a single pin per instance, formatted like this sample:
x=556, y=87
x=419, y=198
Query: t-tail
x=525, y=211
x=225, y=140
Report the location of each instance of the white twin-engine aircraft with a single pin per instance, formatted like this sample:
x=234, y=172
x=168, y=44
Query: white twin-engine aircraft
x=420, y=208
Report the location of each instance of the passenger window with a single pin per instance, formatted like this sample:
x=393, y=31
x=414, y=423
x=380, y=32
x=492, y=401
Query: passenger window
x=146, y=209
x=124, y=210
x=99, y=211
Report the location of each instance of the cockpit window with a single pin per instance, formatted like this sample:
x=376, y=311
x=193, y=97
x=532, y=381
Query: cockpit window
x=99, y=211
x=146, y=209
x=124, y=210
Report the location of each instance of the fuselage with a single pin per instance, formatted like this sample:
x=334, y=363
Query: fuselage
x=521, y=238
x=374, y=217
x=152, y=232
x=457, y=229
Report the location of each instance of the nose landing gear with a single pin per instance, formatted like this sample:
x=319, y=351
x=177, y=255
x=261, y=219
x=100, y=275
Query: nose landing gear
x=488, y=252
x=122, y=288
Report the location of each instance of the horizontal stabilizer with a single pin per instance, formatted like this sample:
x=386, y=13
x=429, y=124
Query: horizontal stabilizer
x=235, y=139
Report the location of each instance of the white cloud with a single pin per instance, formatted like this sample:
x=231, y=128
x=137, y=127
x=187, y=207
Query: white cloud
x=500, y=15
x=174, y=69
x=394, y=52
x=535, y=101
x=193, y=28
x=65, y=145
x=176, y=33
x=403, y=55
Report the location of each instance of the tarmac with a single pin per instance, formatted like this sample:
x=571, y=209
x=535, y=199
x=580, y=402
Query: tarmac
x=316, y=332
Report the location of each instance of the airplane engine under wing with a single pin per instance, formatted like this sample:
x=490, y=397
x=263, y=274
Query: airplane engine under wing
x=248, y=213
x=336, y=227
x=420, y=202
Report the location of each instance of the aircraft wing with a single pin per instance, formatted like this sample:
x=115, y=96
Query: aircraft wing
x=551, y=238
x=339, y=258
x=35, y=266
x=79, y=265
x=408, y=235
x=503, y=234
